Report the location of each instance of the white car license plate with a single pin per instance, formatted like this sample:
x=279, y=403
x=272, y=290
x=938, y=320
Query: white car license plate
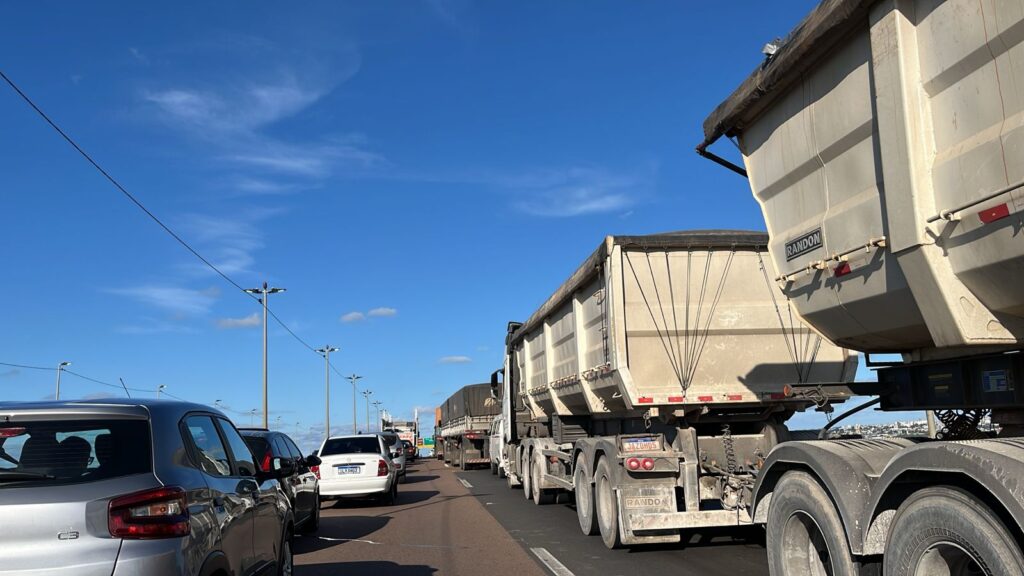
x=343, y=470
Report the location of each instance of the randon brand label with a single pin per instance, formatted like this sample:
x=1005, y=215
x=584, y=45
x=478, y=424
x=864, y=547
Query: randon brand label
x=804, y=244
x=640, y=444
x=644, y=502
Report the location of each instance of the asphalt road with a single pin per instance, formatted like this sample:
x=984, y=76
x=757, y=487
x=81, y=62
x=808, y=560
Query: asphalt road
x=437, y=528
x=555, y=529
x=442, y=526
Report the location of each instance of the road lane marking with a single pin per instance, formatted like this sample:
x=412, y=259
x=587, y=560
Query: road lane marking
x=465, y=483
x=329, y=539
x=556, y=567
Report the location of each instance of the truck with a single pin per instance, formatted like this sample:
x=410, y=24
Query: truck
x=653, y=384
x=465, y=423
x=882, y=141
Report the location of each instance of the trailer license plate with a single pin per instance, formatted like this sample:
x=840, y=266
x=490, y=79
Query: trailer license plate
x=343, y=470
x=639, y=444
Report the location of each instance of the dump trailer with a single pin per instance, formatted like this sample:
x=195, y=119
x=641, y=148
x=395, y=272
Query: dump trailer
x=655, y=381
x=884, y=142
x=466, y=420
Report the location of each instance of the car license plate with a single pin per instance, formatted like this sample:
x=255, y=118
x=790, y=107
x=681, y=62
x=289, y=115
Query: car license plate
x=640, y=444
x=342, y=470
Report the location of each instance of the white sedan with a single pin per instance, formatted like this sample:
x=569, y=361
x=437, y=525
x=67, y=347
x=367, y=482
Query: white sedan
x=356, y=466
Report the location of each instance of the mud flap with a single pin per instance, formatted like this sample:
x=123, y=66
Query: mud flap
x=641, y=501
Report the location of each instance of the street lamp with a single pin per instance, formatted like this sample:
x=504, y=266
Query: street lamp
x=160, y=389
x=277, y=423
x=353, y=379
x=326, y=353
x=366, y=394
x=264, y=292
x=252, y=415
x=376, y=404
x=60, y=368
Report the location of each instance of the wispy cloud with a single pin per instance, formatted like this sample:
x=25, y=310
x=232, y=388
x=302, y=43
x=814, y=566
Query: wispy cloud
x=148, y=325
x=455, y=360
x=250, y=321
x=185, y=301
x=353, y=317
x=229, y=241
x=574, y=192
x=383, y=312
x=138, y=55
x=10, y=373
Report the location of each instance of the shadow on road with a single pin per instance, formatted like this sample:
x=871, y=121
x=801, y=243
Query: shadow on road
x=338, y=530
x=710, y=538
x=414, y=496
x=418, y=479
x=364, y=569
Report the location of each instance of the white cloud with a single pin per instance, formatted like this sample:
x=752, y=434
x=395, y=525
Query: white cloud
x=455, y=360
x=566, y=202
x=10, y=373
x=383, y=312
x=250, y=321
x=353, y=317
x=184, y=301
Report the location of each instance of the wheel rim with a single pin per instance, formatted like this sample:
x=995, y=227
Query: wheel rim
x=535, y=479
x=584, y=498
x=805, y=552
x=948, y=559
x=286, y=560
x=605, y=504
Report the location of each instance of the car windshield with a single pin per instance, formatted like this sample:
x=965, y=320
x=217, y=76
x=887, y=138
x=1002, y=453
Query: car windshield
x=354, y=445
x=73, y=451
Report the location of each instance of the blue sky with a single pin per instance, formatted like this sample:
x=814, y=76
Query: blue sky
x=414, y=173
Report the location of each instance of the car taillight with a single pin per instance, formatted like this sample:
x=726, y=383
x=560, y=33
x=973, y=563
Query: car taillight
x=382, y=468
x=315, y=470
x=265, y=462
x=157, y=513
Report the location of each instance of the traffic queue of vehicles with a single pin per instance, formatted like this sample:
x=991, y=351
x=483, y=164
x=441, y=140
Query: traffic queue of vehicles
x=152, y=487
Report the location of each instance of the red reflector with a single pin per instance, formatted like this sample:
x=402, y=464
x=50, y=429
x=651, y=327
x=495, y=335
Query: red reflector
x=705, y=398
x=734, y=397
x=633, y=463
x=645, y=400
x=994, y=213
x=676, y=399
x=11, y=432
x=647, y=464
x=843, y=269
x=157, y=513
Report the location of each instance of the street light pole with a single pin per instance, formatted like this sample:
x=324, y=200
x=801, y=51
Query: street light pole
x=376, y=404
x=366, y=394
x=326, y=353
x=252, y=414
x=353, y=379
x=160, y=389
x=264, y=292
x=60, y=368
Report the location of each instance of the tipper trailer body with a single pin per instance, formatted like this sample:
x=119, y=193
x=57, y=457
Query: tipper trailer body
x=465, y=424
x=653, y=383
x=884, y=142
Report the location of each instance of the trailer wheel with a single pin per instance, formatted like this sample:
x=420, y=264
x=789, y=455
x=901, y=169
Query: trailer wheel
x=494, y=469
x=805, y=536
x=524, y=470
x=584, y=490
x=942, y=530
x=501, y=471
x=607, y=506
x=540, y=495
x=462, y=458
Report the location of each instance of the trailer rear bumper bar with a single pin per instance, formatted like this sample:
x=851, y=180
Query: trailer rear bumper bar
x=643, y=521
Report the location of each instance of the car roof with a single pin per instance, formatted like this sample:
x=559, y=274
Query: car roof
x=117, y=407
x=345, y=436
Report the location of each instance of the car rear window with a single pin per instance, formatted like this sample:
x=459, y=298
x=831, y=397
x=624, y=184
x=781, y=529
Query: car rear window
x=354, y=445
x=73, y=451
x=390, y=439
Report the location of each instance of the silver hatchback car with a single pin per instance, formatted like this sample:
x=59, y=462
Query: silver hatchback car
x=147, y=488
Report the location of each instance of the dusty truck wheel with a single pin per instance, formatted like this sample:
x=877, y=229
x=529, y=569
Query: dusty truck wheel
x=540, y=495
x=805, y=536
x=494, y=469
x=606, y=505
x=462, y=459
x=945, y=531
x=501, y=471
x=584, y=490
x=524, y=471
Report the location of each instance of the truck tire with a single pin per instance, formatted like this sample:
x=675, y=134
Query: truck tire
x=501, y=471
x=608, y=507
x=584, y=489
x=541, y=496
x=805, y=536
x=462, y=458
x=494, y=469
x=524, y=470
x=943, y=530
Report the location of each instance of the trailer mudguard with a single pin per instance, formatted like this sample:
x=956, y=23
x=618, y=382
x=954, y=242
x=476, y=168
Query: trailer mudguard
x=845, y=468
x=995, y=466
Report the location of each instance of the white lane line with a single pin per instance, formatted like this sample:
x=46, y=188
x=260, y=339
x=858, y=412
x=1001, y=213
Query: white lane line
x=329, y=539
x=556, y=567
x=465, y=483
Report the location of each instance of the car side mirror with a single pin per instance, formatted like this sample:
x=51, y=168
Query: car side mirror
x=312, y=460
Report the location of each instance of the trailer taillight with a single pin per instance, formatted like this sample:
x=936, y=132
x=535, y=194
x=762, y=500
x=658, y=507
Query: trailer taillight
x=647, y=464
x=633, y=464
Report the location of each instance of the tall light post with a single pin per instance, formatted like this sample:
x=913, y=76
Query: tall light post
x=252, y=415
x=160, y=389
x=366, y=394
x=376, y=404
x=60, y=368
x=264, y=292
x=277, y=423
x=353, y=379
x=326, y=353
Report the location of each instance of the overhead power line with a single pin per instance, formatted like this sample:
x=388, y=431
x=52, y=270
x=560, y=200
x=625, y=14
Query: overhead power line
x=67, y=138
x=28, y=367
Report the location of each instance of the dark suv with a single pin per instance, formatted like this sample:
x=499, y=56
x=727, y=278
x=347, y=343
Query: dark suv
x=276, y=453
